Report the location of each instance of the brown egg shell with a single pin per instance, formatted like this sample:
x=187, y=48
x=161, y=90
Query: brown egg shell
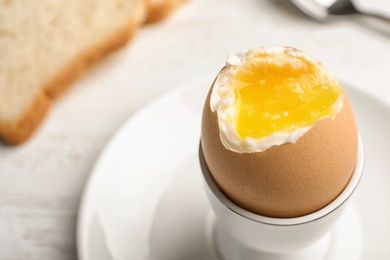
x=288, y=180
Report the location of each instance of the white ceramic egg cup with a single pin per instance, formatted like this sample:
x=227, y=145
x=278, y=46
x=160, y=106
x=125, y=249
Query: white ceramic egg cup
x=240, y=234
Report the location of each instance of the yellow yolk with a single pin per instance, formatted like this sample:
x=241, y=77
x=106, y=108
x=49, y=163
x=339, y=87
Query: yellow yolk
x=281, y=95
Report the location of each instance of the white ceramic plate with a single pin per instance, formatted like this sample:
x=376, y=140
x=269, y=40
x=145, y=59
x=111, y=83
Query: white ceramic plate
x=145, y=198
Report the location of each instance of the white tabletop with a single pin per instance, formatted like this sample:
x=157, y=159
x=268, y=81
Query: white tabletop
x=41, y=182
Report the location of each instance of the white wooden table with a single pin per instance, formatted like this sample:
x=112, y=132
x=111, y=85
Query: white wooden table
x=41, y=182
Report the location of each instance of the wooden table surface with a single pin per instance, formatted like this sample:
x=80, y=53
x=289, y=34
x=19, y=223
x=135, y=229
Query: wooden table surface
x=42, y=181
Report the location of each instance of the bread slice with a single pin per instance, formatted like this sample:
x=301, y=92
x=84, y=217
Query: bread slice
x=45, y=46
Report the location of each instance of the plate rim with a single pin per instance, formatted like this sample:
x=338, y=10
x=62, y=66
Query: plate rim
x=84, y=200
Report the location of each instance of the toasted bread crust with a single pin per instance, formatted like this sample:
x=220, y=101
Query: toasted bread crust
x=157, y=12
x=77, y=68
x=18, y=132
x=22, y=129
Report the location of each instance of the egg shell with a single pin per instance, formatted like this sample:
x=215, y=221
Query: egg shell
x=288, y=180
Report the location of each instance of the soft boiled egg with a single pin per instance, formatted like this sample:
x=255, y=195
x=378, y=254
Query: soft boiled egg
x=278, y=132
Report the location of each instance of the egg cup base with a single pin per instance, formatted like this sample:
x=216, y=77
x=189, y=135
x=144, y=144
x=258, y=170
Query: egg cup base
x=240, y=234
x=344, y=241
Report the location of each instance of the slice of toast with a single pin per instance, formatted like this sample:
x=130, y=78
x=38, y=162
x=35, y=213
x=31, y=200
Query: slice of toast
x=46, y=46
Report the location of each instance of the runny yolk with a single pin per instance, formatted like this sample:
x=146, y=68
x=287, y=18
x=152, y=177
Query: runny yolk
x=281, y=94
